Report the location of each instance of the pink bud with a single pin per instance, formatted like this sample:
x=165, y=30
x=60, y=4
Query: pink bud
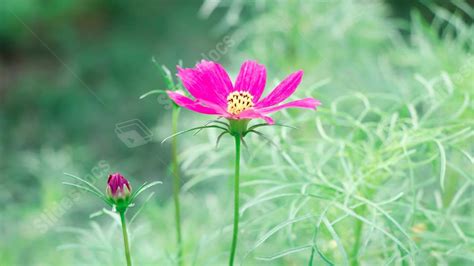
x=118, y=187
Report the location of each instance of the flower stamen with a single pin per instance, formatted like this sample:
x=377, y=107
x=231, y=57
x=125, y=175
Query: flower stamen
x=239, y=101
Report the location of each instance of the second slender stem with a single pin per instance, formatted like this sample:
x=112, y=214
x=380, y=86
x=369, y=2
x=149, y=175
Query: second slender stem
x=125, y=238
x=236, y=200
x=176, y=184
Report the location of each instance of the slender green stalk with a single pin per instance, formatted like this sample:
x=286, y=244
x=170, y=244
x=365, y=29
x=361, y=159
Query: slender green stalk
x=358, y=234
x=313, y=248
x=125, y=238
x=176, y=184
x=236, y=200
x=310, y=263
x=359, y=225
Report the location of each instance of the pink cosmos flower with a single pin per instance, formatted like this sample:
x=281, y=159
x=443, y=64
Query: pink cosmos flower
x=214, y=93
x=118, y=187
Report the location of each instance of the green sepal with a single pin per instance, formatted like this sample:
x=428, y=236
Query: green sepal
x=238, y=127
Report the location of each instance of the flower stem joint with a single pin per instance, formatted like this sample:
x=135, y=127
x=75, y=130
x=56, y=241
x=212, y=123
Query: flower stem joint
x=238, y=127
x=119, y=191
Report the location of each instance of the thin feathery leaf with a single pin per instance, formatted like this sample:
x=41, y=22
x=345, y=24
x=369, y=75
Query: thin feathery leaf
x=85, y=181
x=209, y=123
x=264, y=137
x=285, y=253
x=166, y=74
x=270, y=125
x=152, y=92
x=192, y=129
x=220, y=137
x=135, y=215
x=336, y=238
x=442, y=170
x=322, y=256
x=244, y=143
x=99, y=195
x=144, y=188
x=278, y=228
x=381, y=229
x=220, y=122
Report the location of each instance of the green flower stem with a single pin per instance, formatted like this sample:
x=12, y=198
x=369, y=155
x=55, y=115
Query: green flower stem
x=358, y=234
x=367, y=193
x=176, y=183
x=125, y=238
x=236, y=199
x=359, y=226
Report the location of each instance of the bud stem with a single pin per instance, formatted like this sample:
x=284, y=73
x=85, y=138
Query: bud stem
x=176, y=184
x=236, y=199
x=125, y=238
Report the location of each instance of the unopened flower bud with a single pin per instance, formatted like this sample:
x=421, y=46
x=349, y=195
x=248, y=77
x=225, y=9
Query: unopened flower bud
x=118, y=189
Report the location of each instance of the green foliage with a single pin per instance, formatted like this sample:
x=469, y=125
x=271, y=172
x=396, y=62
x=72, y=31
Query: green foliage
x=383, y=171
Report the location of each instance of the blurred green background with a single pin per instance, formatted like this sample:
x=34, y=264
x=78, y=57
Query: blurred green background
x=70, y=71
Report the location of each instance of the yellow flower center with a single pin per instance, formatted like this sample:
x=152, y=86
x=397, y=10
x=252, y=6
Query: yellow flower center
x=239, y=101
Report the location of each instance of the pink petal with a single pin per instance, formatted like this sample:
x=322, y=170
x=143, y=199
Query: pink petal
x=251, y=78
x=207, y=81
x=284, y=90
x=307, y=103
x=253, y=114
x=218, y=76
x=218, y=108
x=188, y=103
